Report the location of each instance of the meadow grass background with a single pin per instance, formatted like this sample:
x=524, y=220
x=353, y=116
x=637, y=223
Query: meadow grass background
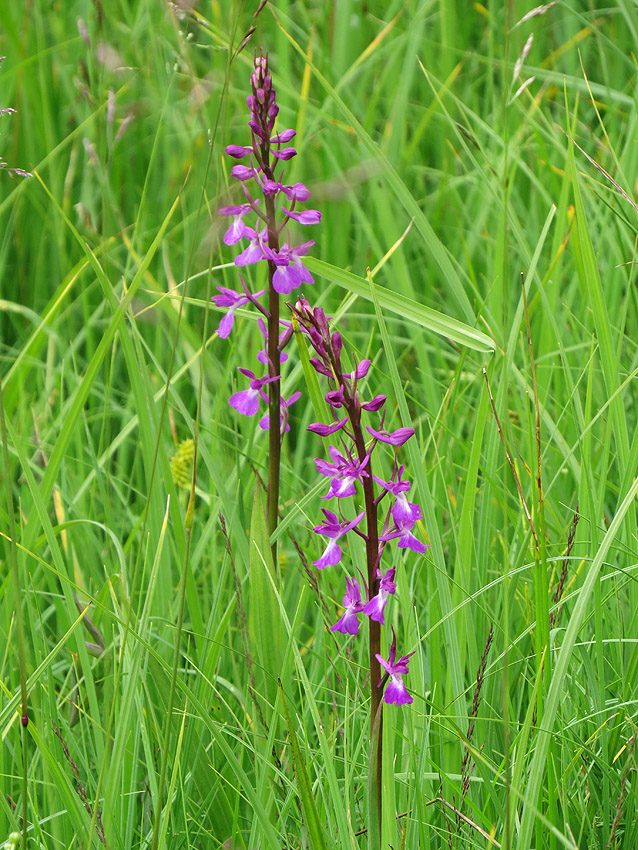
x=405, y=116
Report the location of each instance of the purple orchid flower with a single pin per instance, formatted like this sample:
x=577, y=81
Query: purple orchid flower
x=290, y=272
x=247, y=401
x=284, y=153
x=327, y=430
x=403, y=530
x=231, y=299
x=333, y=529
x=264, y=422
x=396, y=692
x=375, y=403
x=305, y=216
x=297, y=192
x=271, y=187
x=283, y=137
x=361, y=371
x=343, y=471
x=255, y=250
x=237, y=228
x=395, y=438
x=237, y=151
x=374, y=608
x=403, y=512
x=243, y=172
x=348, y=624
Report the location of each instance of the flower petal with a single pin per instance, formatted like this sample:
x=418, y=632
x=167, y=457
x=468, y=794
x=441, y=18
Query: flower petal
x=226, y=325
x=245, y=402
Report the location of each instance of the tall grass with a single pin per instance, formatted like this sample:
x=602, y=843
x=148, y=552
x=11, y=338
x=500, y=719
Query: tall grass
x=430, y=173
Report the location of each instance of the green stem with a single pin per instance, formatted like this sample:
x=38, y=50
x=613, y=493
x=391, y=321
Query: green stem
x=18, y=603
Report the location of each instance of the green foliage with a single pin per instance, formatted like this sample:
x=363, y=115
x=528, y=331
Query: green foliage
x=434, y=171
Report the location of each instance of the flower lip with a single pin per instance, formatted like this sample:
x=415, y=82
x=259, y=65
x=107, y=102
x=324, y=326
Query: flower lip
x=407, y=540
x=396, y=691
x=343, y=472
x=375, y=607
x=255, y=251
x=349, y=622
x=237, y=228
x=246, y=402
x=333, y=529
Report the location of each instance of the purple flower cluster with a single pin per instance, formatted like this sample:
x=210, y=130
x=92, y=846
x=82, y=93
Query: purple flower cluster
x=349, y=467
x=265, y=154
x=272, y=205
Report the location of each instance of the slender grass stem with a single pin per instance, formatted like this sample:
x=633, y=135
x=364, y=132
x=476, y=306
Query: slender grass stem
x=188, y=522
x=15, y=572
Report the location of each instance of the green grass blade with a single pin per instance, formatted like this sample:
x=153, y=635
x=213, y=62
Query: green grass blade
x=311, y=814
x=411, y=311
x=538, y=764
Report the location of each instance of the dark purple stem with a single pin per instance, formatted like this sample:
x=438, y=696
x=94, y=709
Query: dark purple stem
x=274, y=390
x=264, y=113
x=372, y=561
